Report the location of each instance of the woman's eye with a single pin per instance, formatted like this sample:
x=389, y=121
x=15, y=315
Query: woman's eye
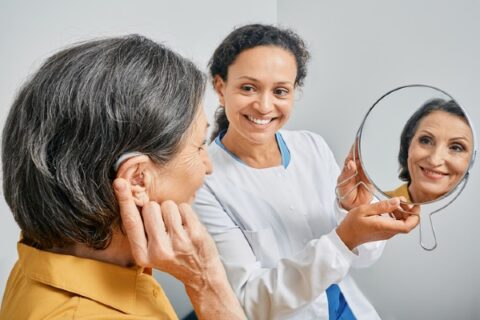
x=203, y=146
x=281, y=92
x=457, y=147
x=248, y=88
x=425, y=140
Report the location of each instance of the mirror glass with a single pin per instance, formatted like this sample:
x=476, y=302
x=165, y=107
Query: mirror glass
x=416, y=141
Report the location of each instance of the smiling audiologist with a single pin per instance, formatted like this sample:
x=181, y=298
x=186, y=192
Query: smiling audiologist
x=270, y=202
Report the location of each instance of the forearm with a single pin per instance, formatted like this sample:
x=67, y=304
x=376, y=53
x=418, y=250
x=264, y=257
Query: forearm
x=268, y=293
x=367, y=253
x=214, y=298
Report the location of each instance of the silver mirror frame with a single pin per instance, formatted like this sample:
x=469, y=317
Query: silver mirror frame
x=425, y=231
x=472, y=159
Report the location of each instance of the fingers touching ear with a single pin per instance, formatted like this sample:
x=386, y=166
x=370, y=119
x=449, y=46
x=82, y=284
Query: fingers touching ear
x=136, y=170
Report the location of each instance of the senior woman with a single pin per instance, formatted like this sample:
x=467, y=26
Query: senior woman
x=436, y=146
x=121, y=108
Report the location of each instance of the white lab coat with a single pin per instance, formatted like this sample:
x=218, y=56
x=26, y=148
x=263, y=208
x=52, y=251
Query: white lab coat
x=274, y=229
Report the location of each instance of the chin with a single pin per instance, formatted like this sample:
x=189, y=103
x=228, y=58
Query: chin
x=260, y=138
x=435, y=195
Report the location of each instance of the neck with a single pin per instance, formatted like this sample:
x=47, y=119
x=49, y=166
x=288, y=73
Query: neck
x=419, y=196
x=255, y=155
x=118, y=251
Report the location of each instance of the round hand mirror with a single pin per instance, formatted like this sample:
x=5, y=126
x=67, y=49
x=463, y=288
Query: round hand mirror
x=416, y=141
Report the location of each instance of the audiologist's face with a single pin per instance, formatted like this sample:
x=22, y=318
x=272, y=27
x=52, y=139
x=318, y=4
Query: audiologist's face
x=258, y=95
x=438, y=155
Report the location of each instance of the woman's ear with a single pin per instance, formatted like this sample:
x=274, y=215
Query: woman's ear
x=219, y=86
x=137, y=171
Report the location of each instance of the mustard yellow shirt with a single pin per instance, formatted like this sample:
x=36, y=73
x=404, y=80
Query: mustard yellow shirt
x=400, y=191
x=45, y=285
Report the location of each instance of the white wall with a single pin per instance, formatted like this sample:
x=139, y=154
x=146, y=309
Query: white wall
x=362, y=49
x=30, y=31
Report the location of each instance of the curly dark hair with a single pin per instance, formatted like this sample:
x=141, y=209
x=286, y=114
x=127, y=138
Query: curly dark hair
x=411, y=127
x=251, y=36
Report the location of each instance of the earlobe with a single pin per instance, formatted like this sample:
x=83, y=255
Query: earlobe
x=135, y=170
x=219, y=86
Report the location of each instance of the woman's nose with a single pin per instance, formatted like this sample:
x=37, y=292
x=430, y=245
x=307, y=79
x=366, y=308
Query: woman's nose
x=264, y=103
x=437, y=157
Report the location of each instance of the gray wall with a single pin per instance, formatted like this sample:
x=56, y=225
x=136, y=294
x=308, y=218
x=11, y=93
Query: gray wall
x=30, y=31
x=360, y=49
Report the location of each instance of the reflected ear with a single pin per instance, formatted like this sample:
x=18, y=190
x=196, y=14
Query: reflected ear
x=137, y=171
x=219, y=86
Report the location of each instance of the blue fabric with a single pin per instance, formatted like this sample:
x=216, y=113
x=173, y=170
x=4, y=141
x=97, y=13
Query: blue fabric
x=338, y=308
x=285, y=153
x=283, y=150
x=218, y=140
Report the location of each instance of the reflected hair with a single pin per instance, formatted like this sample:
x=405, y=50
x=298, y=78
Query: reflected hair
x=410, y=128
x=87, y=105
x=248, y=37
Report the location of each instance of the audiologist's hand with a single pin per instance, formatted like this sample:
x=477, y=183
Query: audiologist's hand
x=353, y=186
x=171, y=238
x=367, y=223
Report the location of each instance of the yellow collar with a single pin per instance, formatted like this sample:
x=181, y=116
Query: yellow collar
x=106, y=283
x=400, y=191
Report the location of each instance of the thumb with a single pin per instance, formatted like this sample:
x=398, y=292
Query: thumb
x=128, y=209
x=380, y=207
x=122, y=191
x=132, y=221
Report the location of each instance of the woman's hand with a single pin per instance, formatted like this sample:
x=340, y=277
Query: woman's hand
x=170, y=238
x=353, y=186
x=366, y=223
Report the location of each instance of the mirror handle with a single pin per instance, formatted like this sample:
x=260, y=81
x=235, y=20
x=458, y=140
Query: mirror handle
x=428, y=239
x=430, y=232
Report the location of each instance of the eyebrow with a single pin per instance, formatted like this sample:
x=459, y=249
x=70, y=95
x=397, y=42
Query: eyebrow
x=451, y=139
x=460, y=138
x=256, y=80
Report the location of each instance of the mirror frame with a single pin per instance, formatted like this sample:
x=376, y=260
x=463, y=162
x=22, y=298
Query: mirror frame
x=463, y=181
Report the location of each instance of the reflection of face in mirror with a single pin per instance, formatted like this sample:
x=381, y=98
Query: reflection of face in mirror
x=435, y=150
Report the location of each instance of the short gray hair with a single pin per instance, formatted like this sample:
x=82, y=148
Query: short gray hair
x=82, y=109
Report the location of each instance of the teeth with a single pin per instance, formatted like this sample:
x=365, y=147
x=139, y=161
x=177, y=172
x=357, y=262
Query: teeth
x=433, y=172
x=259, y=121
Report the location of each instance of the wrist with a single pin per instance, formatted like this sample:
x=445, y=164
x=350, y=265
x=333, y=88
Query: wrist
x=208, y=279
x=214, y=299
x=346, y=236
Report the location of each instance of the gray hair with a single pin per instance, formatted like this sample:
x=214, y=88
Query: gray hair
x=84, y=107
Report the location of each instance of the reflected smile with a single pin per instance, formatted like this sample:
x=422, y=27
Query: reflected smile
x=433, y=174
